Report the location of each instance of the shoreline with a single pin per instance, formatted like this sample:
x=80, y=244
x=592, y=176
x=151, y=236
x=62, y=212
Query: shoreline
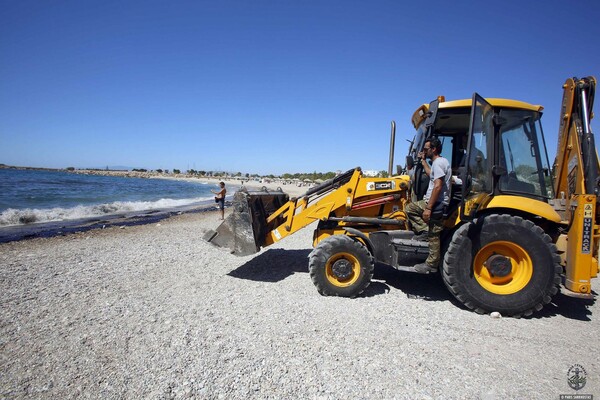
x=12, y=233
x=292, y=187
x=15, y=233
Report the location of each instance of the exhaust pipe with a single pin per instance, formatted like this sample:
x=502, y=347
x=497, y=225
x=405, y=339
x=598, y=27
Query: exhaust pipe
x=392, y=145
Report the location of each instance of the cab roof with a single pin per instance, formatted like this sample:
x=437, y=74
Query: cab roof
x=493, y=101
x=420, y=114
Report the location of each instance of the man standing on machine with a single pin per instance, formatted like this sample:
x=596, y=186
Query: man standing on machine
x=426, y=215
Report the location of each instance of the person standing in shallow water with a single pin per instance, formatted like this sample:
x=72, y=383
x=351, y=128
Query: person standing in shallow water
x=220, y=198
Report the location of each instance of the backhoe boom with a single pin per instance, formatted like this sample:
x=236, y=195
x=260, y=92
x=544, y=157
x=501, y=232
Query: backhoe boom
x=577, y=185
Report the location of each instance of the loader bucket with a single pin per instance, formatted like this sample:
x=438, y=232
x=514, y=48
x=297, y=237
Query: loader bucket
x=244, y=230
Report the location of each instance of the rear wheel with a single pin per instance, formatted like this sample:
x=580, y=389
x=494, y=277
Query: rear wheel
x=502, y=263
x=341, y=266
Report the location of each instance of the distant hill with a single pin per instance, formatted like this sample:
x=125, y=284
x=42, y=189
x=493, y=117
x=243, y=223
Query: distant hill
x=4, y=166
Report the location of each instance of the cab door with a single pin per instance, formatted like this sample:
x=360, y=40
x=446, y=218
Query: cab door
x=478, y=178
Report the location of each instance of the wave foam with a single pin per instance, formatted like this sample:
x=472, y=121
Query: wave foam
x=13, y=216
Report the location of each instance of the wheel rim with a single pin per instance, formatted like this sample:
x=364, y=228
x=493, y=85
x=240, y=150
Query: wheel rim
x=342, y=269
x=496, y=255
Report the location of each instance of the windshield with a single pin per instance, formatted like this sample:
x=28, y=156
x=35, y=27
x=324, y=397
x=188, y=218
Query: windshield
x=522, y=152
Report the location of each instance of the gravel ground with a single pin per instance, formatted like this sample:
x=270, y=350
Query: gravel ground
x=154, y=312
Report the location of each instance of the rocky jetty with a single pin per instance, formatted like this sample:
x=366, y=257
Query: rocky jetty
x=123, y=173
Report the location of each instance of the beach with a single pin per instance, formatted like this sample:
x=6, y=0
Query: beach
x=42, y=203
x=292, y=187
x=289, y=187
x=153, y=311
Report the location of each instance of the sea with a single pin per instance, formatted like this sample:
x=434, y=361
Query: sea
x=42, y=196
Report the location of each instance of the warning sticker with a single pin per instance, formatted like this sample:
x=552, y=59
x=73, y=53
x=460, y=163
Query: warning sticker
x=587, y=211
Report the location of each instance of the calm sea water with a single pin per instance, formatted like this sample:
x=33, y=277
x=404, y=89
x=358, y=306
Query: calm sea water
x=28, y=196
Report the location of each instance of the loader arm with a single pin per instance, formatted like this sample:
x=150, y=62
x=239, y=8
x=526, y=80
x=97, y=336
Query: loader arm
x=347, y=200
x=316, y=204
x=577, y=185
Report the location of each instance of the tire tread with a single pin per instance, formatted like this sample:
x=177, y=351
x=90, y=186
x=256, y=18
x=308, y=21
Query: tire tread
x=451, y=264
x=320, y=254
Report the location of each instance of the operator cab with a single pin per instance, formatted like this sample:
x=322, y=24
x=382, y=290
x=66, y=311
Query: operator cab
x=495, y=147
x=510, y=135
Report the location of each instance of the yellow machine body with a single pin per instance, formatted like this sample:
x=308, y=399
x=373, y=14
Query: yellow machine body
x=515, y=229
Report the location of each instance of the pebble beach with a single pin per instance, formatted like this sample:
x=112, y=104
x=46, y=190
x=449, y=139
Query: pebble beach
x=152, y=311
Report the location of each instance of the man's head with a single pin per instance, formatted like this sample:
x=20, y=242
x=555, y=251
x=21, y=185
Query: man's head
x=222, y=184
x=432, y=148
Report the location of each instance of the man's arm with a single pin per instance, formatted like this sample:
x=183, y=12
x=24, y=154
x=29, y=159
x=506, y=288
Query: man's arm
x=426, y=167
x=435, y=193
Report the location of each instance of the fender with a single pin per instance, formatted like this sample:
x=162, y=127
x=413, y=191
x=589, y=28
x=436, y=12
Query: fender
x=531, y=206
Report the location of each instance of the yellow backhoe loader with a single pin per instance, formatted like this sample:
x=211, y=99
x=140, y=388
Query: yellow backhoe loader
x=516, y=230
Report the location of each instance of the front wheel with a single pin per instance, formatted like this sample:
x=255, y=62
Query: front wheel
x=502, y=263
x=341, y=266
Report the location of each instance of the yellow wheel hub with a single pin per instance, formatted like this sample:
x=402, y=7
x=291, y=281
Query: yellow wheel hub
x=502, y=267
x=342, y=269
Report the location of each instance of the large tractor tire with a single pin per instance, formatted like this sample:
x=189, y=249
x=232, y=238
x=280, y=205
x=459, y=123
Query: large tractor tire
x=502, y=263
x=341, y=266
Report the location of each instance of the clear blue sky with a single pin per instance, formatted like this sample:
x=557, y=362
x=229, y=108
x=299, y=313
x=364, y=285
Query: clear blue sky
x=268, y=86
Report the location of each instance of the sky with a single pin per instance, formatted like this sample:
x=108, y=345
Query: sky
x=268, y=87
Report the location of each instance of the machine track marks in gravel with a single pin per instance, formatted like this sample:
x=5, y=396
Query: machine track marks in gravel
x=341, y=266
x=502, y=263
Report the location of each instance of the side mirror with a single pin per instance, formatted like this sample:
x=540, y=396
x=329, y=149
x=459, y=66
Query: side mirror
x=410, y=162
